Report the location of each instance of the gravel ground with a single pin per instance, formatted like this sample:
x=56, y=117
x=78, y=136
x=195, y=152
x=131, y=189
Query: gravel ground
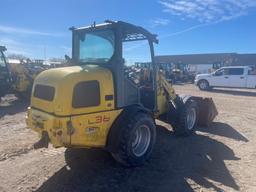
x=219, y=158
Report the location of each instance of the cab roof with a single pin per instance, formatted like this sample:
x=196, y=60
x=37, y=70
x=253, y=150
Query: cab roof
x=131, y=32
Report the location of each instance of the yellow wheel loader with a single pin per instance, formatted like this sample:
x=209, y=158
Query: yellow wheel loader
x=96, y=104
x=22, y=80
x=16, y=78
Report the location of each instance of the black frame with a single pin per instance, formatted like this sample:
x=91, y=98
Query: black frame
x=123, y=32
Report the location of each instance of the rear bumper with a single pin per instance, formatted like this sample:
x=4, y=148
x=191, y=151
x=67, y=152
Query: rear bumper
x=55, y=127
x=83, y=131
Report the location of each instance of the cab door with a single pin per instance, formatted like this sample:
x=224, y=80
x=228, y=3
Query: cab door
x=236, y=77
x=220, y=78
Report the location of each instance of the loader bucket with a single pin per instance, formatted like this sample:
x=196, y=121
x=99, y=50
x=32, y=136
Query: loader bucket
x=207, y=111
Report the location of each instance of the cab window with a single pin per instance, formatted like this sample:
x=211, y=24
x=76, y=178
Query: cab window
x=221, y=72
x=137, y=61
x=94, y=47
x=236, y=71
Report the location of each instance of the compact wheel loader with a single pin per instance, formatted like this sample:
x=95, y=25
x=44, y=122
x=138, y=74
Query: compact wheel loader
x=5, y=79
x=16, y=78
x=95, y=102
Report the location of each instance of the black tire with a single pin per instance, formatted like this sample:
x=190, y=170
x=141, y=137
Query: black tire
x=182, y=126
x=203, y=85
x=133, y=150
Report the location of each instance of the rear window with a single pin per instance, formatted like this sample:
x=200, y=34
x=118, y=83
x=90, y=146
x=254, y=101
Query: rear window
x=86, y=94
x=236, y=71
x=44, y=92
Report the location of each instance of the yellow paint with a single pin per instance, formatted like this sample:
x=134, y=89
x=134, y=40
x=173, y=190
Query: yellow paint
x=23, y=80
x=41, y=121
x=92, y=130
x=87, y=130
x=64, y=80
x=68, y=126
x=162, y=103
x=165, y=92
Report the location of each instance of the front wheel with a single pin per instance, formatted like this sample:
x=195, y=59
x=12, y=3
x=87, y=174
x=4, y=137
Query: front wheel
x=203, y=85
x=136, y=140
x=186, y=118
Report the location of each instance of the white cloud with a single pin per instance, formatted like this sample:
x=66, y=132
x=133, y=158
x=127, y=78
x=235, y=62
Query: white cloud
x=208, y=11
x=183, y=31
x=160, y=22
x=16, y=47
x=15, y=30
x=33, y=50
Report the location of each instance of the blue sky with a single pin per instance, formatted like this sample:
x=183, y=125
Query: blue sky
x=32, y=27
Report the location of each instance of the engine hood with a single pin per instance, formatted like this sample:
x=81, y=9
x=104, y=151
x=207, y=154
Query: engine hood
x=63, y=81
x=200, y=76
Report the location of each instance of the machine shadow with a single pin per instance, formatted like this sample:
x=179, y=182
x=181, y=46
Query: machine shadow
x=225, y=130
x=13, y=107
x=177, y=164
x=234, y=92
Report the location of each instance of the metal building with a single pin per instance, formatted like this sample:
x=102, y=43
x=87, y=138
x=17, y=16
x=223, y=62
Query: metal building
x=223, y=59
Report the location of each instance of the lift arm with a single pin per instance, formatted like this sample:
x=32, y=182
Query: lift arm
x=169, y=90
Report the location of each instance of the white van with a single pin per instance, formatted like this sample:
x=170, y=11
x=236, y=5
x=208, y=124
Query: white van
x=235, y=77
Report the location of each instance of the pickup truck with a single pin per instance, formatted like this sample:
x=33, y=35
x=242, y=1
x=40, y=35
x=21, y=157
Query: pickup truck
x=233, y=77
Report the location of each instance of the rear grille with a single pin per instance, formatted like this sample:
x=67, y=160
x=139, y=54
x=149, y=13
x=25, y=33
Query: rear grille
x=44, y=92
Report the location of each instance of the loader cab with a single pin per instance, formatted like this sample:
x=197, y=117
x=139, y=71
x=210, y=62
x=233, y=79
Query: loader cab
x=105, y=45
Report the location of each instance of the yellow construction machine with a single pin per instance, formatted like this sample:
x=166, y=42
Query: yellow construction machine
x=16, y=78
x=94, y=103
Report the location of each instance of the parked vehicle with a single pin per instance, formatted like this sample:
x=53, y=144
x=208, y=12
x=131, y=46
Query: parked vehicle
x=16, y=78
x=234, y=77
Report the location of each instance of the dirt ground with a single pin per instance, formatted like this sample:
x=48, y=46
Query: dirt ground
x=219, y=158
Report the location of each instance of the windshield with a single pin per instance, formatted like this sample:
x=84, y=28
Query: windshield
x=94, y=47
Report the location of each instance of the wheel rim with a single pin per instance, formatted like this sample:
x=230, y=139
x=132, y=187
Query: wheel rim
x=141, y=140
x=203, y=85
x=191, y=118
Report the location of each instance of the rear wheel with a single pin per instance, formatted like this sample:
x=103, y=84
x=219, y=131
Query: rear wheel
x=203, y=85
x=186, y=118
x=136, y=140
